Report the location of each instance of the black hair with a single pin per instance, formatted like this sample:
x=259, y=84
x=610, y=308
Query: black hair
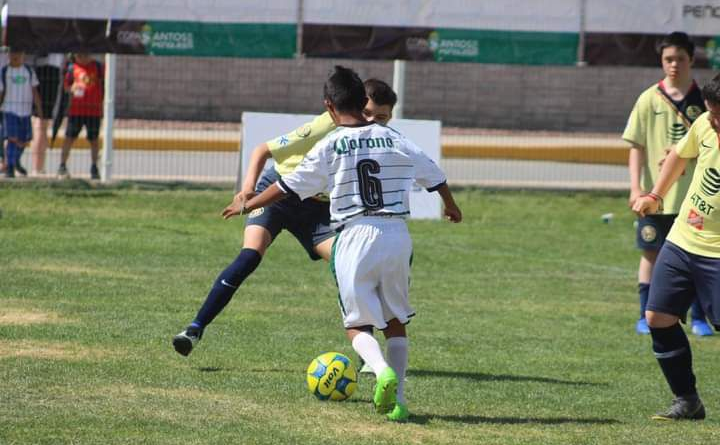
x=345, y=91
x=380, y=92
x=678, y=39
x=711, y=90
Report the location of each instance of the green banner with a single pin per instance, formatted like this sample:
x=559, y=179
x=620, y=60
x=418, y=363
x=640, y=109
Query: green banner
x=219, y=40
x=514, y=47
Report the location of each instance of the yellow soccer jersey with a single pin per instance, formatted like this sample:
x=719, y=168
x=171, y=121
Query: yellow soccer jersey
x=697, y=227
x=656, y=123
x=289, y=149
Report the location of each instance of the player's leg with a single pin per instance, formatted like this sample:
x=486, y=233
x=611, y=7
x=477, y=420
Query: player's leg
x=25, y=137
x=261, y=228
x=650, y=236
x=14, y=133
x=393, y=291
x=92, y=127
x=699, y=324
x=39, y=144
x=671, y=293
x=255, y=242
x=74, y=125
x=357, y=280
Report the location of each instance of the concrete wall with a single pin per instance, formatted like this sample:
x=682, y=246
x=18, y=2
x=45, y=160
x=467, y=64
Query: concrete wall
x=595, y=99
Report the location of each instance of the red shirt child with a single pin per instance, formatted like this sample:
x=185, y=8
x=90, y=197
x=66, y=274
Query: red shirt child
x=84, y=80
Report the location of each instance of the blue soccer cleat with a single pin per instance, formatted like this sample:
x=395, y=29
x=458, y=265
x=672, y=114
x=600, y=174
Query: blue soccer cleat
x=641, y=327
x=701, y=328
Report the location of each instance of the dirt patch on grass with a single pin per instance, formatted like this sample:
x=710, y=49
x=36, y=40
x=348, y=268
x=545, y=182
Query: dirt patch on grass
x=49, y=351
x=22, y=317
x=75, y=269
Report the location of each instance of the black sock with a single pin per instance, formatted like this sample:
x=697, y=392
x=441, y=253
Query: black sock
x=672, y=351
x=644, y=292
x=225, y=286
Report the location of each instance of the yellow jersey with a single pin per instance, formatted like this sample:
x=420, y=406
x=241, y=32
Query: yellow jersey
x=697, y=226
x=656, y=123
x=289, y=149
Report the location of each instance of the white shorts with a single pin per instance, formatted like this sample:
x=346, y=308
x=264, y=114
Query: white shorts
x=371, y=262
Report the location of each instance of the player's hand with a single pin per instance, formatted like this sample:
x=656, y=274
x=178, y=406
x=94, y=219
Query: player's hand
x=237, y=206
x=645, y=205
x=453, y=213
x=634, y=195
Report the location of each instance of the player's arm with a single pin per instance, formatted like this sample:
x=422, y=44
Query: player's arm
x=38, y=102
x=635, y=163
x=672, y=169
x=270, y=195
x=257, y=161
x=452, y=211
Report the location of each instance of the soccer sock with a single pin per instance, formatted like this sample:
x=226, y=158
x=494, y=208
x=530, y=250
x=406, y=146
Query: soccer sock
x=225, y=286
x=369, y=349
x=13, y=156
x=672, y=351
x=696, y=311
x=397, y=355
x=644, y=292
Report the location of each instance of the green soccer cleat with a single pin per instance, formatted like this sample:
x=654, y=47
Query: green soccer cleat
x=399, y=414
x=683, y=408
x=385, y=391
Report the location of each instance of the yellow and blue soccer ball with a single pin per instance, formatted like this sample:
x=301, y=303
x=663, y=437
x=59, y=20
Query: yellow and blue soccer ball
x=331, y=376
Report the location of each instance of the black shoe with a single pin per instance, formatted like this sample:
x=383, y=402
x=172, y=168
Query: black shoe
x=63, y=172
x=20, y=169
x=683, y=408
x=94, y=173
x=185, y=341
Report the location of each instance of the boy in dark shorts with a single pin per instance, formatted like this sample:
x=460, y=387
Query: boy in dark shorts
x=308, y=220
x=84, y=82
x=660, y=118
x=688, y=265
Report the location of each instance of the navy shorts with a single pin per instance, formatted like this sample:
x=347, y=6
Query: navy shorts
x=91, y=124
x=678, y=277
x=17, y=127
x=652, y=231
x=308, y=220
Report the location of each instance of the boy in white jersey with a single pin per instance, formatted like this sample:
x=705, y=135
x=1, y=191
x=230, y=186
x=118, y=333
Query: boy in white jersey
x=368, y=170
x=689, y=261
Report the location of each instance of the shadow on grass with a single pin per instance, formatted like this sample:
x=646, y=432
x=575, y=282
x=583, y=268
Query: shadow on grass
x=474, y=420
x=481, y=377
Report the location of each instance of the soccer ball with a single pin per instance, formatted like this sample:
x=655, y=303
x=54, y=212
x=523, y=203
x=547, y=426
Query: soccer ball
x=331, y=376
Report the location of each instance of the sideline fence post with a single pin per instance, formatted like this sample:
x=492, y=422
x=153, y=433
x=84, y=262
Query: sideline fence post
x=399, y=87
x=109, y=118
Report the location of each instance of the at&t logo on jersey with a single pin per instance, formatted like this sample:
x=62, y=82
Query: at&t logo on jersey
x=710, y=184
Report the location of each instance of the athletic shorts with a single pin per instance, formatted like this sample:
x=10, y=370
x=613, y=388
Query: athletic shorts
x=17, y=127
x=76, y=123
x=49, y=82
x=652, y=231
x=371, y=263
x=678, y=277
x=308, y=220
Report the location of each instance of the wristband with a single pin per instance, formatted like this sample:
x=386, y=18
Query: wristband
x=657, y=198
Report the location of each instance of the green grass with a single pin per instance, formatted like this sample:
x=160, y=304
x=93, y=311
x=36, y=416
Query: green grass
x=524, y=332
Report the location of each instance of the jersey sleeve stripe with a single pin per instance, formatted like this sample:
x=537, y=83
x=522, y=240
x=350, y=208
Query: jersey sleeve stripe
x=436, y=187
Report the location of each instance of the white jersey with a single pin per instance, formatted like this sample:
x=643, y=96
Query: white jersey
x=18, y=88
x=367, y=171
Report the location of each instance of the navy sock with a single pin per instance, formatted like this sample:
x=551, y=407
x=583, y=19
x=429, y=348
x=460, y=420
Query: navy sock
x=696, y=311
x=13, y=156
x=225, y=286
x=644, y=292
x=672, y=351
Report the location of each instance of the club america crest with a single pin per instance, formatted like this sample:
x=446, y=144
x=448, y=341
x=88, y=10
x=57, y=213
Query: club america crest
x=648, y=233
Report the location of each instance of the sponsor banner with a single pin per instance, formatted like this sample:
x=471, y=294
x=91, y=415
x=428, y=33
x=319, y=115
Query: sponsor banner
x=262, y=127
x=442, y=45
x=217, y=11
x=507, y=15
x=641, y=50
x=45, y=35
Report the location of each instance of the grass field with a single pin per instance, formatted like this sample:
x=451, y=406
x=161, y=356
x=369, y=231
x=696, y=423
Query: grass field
x=524, y=332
